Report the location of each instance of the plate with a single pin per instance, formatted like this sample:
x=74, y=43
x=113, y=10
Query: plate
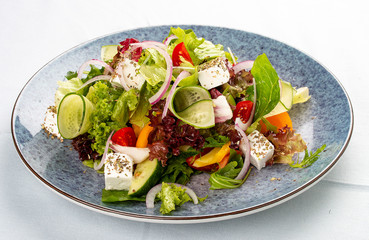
x=327, y=118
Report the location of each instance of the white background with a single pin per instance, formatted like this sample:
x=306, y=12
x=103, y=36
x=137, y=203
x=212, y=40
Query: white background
x=335, y=33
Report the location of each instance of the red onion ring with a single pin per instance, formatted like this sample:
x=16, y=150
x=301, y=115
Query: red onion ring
x=150, y=197
x=94, y=79
x=245, y=148
x=245, y=65
x=170, y=38
x=97, y=167
x=94, y=62
x=181, y=76
x=159, y=94
x=158, y=44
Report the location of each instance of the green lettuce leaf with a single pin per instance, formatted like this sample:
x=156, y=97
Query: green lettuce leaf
x=126, y=103
x=139, y=117
x=66, y=87
x=207, y=51
x=171, y=196
x=267, y=86
x=153, y=74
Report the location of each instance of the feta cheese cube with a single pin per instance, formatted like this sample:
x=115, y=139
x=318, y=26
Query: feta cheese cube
x=213, y=73
x=118, y=171
x=50, y=124
x=261, y=150
x=132, y=76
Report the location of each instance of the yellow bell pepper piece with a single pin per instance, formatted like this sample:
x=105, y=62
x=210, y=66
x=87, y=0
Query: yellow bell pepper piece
x=214, y=156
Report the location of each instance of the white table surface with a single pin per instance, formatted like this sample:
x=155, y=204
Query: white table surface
x=335, y=33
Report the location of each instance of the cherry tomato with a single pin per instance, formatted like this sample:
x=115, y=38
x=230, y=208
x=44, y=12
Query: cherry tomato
x=125, y=137
x=243, y=111
x=180, y=50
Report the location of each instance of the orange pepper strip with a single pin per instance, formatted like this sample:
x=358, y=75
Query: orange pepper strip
x=143, y=137
x=279, y=120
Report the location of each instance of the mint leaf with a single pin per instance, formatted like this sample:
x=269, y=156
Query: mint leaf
x=267, y=86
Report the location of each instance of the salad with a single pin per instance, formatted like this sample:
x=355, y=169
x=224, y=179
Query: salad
x=149, y=115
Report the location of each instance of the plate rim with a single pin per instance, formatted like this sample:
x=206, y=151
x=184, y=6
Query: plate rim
x=184, y=219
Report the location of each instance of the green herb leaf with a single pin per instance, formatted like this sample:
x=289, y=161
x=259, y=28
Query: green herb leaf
x=178, y=170
x=308, y=160
x=267, y=86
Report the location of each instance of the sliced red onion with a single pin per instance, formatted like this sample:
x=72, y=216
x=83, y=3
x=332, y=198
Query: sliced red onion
x=222, y=110
x=245, y=148
x=122, y=77
x=150, y=197
x=159, y=44
x=94, y=62
x=159, y=94
x=245, y=65
x=98, y=167
x=170, y=38
x=181, y=76
x=94, y=79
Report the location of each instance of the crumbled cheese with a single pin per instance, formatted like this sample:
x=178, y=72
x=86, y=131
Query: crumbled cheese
x=261, y=150
x=118, y=171
x=213, y=73
x=50, y=124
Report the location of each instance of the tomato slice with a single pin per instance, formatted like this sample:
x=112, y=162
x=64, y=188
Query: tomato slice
x=180, y=50
x=243, y=111
x=125, y=137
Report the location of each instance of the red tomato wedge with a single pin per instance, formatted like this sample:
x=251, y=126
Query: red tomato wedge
x=180, y=51
x=243, y=111
x=125, y=137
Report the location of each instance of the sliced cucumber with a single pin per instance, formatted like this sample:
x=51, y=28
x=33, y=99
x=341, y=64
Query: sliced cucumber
x=74, y=115
x=186, y=96
x=146, y=175
x=199, y=114
x=108, y=52
x=286, y=100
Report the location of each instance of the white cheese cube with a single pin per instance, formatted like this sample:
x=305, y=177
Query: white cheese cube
x=118, y=171
x=131, y=74
x=261, y=149
x=213, y=73
x=50, y=124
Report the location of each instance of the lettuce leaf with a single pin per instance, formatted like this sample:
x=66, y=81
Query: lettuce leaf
x=207, y=51
x=139, y=117
x=126, y=103
x=267, y=86
x=66, y=87
x=171, y=196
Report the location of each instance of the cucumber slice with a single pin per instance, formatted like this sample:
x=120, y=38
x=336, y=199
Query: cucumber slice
x=108, y=52
x=146, y=175
x=74, y=115
x=199, y=114
x=286, y=100
x=186, y=96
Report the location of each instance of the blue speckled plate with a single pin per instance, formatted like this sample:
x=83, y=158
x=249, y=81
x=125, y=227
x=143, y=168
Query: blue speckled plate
x=326, y=119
